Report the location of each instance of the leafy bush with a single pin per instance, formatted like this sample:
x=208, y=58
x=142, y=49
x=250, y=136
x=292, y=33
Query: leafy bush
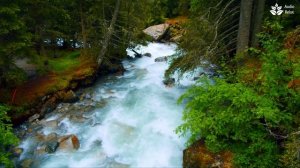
x=249, y=119
x=7, y=138
x=229, y=116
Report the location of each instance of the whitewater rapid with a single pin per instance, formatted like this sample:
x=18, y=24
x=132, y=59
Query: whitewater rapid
x=136, y=127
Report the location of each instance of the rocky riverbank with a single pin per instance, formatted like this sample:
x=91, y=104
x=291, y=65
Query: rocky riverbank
x=43, y=131
x=41, y=95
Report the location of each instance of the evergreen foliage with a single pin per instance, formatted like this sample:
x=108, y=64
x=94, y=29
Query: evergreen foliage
x=246, y=118
x=13, y=41
x=7, y=138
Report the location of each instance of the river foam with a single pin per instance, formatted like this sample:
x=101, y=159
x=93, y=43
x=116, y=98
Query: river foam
x=137, y=125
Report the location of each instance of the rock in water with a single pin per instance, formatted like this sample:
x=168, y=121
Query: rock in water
x=157, y=31
x=169, y=82
x=70, y=97
x=17, y=151
x=47, y=144
x=161, y=59
x=147, y=55
x=69, y=143
x=27, y=163
x=53, y=124
x=34, y=117
x=51, y=146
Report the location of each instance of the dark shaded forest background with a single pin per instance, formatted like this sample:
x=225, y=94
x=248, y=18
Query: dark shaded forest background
x=251, y=108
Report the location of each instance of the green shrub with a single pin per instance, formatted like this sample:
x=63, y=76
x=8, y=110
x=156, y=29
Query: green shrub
x=228, y=116
x=249, y=119
x=7, y=138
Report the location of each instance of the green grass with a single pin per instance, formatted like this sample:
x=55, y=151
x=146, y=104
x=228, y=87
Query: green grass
x=65, y=62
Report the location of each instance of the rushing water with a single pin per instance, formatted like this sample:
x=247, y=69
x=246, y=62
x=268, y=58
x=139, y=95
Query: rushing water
x=134, y=129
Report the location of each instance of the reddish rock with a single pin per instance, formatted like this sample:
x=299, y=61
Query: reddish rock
x=68, y=143
x=198, y=156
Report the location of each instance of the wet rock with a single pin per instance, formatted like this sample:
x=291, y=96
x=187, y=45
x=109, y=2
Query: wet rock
x=97, y=143
x=169, y=82
x=47, y=144
x=29, y=130
x=157, y=31
x=17, y=151
x=88, y=96
x=68, y=143
x=161, y=59
x=35, y=126
x=147, y=55
x=49, y=105
x=34, y=117
x=118, y=165
x=41, y=138
x=176, y=38
x=51, y=146
x=198, y=156
x=78, y=119
x=44, y=98
x=40, y=150
x=51, y=137
x=20, y=133
x=70, y=97
x=53, y=124
x=27, y=163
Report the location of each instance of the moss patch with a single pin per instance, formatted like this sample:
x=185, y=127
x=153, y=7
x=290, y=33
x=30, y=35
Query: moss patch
x=64, y=70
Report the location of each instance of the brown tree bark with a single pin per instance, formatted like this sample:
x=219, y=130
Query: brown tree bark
x=109, y=33
x=257, y=17
x=83, y=29
x=244, y=26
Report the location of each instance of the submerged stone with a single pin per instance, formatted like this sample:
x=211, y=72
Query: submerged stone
x=69, y=143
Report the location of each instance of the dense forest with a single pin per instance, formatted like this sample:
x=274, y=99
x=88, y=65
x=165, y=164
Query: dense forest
x=248, y=105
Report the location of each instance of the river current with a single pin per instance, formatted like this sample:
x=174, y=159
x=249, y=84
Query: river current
x=135, y=127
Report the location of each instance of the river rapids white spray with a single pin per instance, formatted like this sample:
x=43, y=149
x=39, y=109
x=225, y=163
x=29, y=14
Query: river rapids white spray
x=136, y=128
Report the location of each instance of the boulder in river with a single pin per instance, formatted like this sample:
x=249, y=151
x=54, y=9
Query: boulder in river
x=147, y=55
x=157, y=31
x=161, y=59
x=68, y=143
x=51, y=146
x=34, y=117
x=53, y=124
x=169, y=81
x=70, y=97
x=51, y=137
x=17, y=151
x=47, y=143
x=27, y=163
x=49, y=105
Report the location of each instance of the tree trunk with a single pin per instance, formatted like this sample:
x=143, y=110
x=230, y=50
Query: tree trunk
x=244, y=26
x=83, y=30
x=257, y=21
x=109, y=33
